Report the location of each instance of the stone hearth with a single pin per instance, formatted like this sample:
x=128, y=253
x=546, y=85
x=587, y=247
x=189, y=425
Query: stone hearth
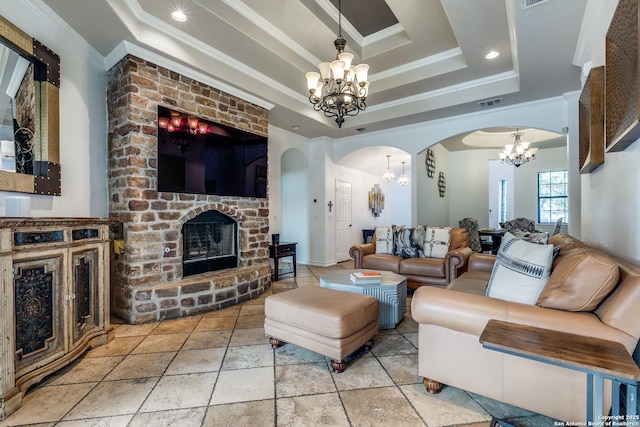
x=147, y=282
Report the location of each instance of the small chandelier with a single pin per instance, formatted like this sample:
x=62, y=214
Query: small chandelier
x=183, y=130
x=388, y=176
x=403, y=179
x=340, y=89
x=517, y=153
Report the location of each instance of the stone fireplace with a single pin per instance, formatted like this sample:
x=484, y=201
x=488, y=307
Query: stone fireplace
x=184, y=253
x=209, y=243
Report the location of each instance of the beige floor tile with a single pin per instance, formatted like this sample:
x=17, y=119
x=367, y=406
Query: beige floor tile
x=195, y=390
x=380, y=407
x=190, y=417
x=141, y=366
x=290, y=354
x=207, y=339
x=89, y=369
x=317, y=410
x=449, y=407
x=185, y=324
x=48, y=404
x=110, y=398
x=118, y=347
x=392, y=344
x=402, y=368
x=254, y=414
x=194, y=361
x=232, y=311
x=283, y=287
x=117, y=421
x=161, y=343
x=254, y=321
x=251, y=356
x=301, y=380
x=135, y=330
x=252, y=310
x=413, y=338
x=215, y=324
x=243, y=385
x=408, y=325
x=500, y=410
x=249, y=336
x=362, y=373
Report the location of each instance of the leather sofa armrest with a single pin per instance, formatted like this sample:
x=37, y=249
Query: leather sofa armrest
x=469, y=313
x=481, y=262
x=455, y=262
x=357, y=252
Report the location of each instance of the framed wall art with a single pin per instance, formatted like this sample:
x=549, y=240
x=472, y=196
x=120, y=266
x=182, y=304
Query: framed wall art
x=376, y=200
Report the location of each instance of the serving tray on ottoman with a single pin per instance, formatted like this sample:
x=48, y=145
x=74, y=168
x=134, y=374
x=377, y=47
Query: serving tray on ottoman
x=332, y=323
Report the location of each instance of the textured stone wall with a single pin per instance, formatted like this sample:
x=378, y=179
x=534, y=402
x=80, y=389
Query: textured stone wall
x=147, y=282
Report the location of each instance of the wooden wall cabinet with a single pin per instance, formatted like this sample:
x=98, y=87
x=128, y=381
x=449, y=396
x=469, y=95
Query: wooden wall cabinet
x=54, y=298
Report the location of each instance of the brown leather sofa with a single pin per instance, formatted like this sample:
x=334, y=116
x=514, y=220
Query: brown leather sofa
x=451, y=321
x=418, y=271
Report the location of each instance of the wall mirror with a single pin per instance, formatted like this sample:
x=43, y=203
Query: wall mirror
x=29, y=114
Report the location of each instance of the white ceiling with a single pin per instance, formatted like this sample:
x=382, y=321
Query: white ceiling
x=428, y=65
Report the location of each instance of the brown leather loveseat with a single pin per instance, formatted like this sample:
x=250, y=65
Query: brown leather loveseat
x=419, y=271
x=588, y=293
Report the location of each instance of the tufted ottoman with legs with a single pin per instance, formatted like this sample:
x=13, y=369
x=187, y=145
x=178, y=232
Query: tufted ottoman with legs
x=332, y=323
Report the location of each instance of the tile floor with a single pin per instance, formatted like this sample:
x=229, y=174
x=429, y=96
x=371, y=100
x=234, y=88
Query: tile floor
x=218, y=369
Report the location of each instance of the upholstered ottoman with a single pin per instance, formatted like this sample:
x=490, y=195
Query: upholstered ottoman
x=332, y=323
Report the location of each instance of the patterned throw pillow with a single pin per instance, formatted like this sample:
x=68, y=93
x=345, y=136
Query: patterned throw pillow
x=521, y=270
x=436, y=242
x=539, y=238
x=408, y=241
x=384, y=240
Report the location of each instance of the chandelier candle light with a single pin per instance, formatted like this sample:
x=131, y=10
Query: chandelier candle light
x=340, y=89
x=388, y=176
x=519, y=152
x=403, y=179
x=183, y=130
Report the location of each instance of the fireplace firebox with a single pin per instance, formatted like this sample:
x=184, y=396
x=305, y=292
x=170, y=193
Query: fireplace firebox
x=210, y=243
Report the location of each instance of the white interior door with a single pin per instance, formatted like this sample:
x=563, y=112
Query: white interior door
x=499, y=172
x=343, y=220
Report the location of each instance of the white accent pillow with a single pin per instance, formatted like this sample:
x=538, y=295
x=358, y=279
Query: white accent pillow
x=521, y=270
x=384, y=240
x=436, y=241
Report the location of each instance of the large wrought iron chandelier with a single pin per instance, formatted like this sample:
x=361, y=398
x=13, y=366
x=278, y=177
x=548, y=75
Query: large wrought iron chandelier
x=519, y=152
x=340, y=89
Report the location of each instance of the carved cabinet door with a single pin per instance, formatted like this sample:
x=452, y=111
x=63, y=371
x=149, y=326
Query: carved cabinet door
x=40, y=298
x=86, y=274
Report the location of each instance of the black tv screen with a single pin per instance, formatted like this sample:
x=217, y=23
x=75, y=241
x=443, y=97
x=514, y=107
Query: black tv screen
x=197, y=156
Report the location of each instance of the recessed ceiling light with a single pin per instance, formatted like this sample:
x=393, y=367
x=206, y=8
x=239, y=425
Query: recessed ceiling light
x=493, y=54
x=178, y=15
x=295, y=128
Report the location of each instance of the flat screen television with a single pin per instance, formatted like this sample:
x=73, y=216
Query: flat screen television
x=197, y=156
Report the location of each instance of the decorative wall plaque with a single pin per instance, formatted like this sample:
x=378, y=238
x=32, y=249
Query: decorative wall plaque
x=430, y=162
x=591, y=121
x=621, y=78
x=442, y=184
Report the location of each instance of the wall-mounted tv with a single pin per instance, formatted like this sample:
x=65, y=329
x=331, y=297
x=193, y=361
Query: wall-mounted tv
x=201, y=157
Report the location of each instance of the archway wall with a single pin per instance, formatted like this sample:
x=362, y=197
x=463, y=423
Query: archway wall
x=553, y=114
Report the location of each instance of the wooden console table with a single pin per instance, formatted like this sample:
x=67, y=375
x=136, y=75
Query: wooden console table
x=282, y=250
x=596, y=357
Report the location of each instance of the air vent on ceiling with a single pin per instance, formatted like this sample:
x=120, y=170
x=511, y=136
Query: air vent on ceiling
x=526, y=4
x=490, y=102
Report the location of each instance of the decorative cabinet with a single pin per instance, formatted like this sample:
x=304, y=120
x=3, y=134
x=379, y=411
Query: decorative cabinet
x=54, y=298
